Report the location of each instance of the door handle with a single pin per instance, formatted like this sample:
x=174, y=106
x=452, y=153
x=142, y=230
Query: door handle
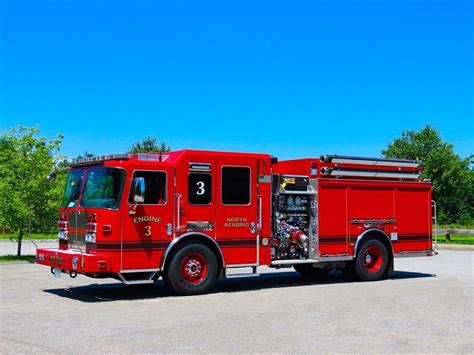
x=178, y=213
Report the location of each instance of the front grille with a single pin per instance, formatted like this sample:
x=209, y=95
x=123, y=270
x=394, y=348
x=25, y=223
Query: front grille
x=77, y=230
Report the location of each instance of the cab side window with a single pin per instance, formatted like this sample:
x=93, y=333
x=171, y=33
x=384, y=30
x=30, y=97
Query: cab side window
x=155, y=187
x=199, y=189
x=235, y=185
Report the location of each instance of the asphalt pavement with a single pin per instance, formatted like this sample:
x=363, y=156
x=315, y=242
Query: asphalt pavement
x=427, y=306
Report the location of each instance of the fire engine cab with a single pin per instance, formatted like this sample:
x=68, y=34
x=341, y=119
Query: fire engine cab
x=189, y=216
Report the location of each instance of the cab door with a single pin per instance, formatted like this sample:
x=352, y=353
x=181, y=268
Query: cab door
x=148, y=227
x=196, y=184
x=236, y=222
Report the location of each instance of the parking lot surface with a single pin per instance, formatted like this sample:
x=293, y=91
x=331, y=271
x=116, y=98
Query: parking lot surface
x=427, y=306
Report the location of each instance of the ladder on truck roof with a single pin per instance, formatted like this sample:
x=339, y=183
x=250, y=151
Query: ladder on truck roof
x=350, y=166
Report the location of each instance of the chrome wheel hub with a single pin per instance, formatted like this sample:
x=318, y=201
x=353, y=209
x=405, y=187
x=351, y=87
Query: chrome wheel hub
x=368, y=259
x=193, y=267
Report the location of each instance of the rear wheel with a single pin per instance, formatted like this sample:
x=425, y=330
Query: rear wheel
x=192, y=270
x=372, y=261
x=307, y=270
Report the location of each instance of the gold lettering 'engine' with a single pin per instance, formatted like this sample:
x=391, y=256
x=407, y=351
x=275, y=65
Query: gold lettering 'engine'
x=146, y=219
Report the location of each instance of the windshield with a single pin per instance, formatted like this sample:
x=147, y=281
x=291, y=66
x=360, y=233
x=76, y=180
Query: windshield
x=102, y=188
x=73, y=188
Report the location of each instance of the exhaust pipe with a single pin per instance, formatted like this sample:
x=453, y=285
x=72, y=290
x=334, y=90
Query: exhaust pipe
x=73, y=274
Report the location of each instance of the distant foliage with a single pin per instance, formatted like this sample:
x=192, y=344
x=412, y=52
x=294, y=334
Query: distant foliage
x=149, y=145
x=28, y=201
x=85, y=155
x=452, y=177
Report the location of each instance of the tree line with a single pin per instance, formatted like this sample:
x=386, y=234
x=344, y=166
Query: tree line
x=29, y=202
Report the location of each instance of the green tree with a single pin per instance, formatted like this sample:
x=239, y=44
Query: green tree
x=28, y=201
x=451, y=175
x=149, y=145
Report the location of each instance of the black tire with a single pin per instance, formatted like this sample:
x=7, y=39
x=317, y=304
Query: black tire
x=308, y=271
x=192, y=270
x=372, y=261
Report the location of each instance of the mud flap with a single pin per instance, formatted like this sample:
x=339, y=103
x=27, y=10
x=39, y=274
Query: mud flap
x=390, y=270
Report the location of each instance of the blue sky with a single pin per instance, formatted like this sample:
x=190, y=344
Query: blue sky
x=290, y=78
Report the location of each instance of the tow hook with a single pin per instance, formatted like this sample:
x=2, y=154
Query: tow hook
x=73, y=274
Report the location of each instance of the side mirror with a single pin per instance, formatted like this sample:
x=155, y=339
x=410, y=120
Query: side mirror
x=138, y=190
x=51, y=176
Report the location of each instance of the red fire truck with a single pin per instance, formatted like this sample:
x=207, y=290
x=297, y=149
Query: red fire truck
x=189, y=216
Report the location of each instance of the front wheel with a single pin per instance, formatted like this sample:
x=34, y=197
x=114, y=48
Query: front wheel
x=192, y=270
x=372, y=261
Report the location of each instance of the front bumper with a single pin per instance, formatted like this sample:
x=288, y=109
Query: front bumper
x=73, y=261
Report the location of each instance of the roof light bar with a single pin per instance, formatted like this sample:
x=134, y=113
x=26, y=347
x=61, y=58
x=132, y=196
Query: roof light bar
x=100, y=158
x=341, y=159
x=152, y=157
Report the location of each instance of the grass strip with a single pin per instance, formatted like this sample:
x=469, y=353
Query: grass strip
x=13, y=258
x=456, y=239
x=35, y=236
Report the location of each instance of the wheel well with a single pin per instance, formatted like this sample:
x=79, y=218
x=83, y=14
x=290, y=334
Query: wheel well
x=374, y=234
x=378, y=235
x=193, y=238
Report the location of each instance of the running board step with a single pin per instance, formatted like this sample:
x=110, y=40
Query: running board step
x=138, y=282
x=148, y=278
x=312, y=261
x=236, y=276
